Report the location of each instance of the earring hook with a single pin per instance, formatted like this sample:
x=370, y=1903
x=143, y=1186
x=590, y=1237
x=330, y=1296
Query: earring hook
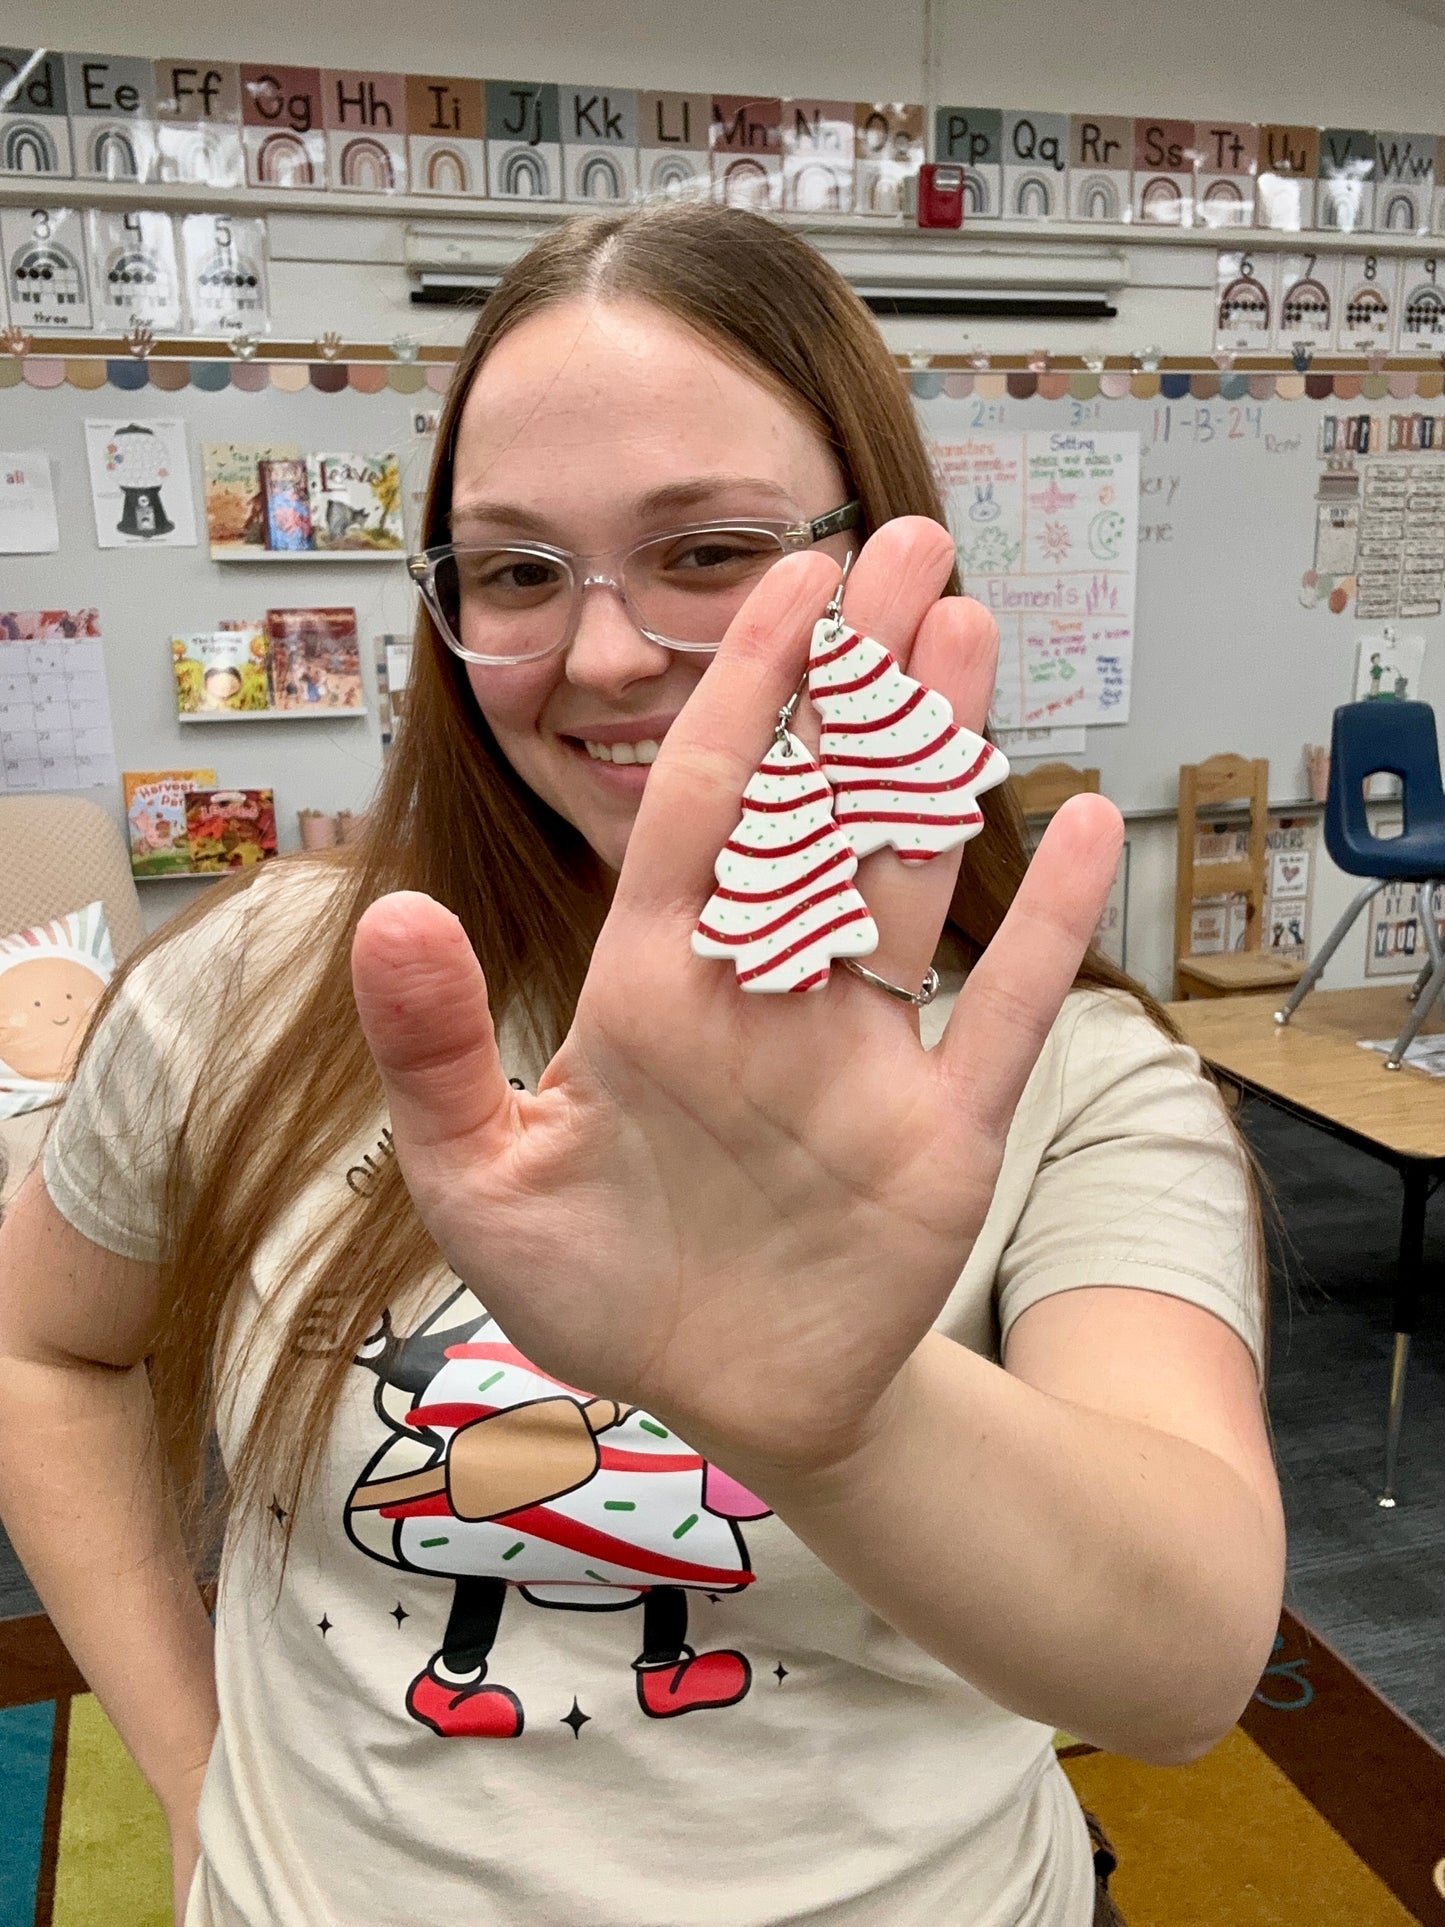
x=834, y=611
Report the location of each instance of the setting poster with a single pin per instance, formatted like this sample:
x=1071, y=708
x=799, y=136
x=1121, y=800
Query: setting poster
x=1047, y=527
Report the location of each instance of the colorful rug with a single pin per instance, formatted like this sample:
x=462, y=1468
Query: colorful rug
x=1323, y=1808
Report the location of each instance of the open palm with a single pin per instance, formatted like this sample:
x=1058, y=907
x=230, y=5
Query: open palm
x=742, y=1212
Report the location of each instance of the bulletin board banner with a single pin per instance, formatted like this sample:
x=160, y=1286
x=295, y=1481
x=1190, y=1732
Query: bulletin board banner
x=372, y=368
x=98, y=116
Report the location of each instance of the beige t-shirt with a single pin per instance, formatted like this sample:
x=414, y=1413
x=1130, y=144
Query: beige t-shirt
x=634, y=1699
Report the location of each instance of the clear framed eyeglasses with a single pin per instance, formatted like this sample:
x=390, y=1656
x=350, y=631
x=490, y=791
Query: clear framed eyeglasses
x=501, y=605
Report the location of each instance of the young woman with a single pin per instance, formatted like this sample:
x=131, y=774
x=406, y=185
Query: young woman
x=687, y=1451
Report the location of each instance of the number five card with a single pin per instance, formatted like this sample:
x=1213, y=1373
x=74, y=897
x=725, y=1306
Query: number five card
x=224, y=258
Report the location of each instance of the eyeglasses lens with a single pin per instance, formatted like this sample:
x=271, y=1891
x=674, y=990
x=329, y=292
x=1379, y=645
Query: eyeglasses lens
x=516, y=604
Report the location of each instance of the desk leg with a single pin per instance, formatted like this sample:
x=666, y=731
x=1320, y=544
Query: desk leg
x=1407, y=1304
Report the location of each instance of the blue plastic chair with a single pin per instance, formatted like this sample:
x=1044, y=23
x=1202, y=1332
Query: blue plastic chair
x=1396, y=739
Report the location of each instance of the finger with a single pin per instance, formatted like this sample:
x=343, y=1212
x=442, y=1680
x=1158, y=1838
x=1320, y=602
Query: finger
x=956, y=653
x=898, y=577
x=690, y=805
x=1015, y=991
x=422, y=1002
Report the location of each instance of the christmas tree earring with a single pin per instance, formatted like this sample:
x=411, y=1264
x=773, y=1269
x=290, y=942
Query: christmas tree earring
x=785, y=905
x=903, y=771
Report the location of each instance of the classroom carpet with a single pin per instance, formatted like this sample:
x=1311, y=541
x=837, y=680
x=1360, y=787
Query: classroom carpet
x=1323, y=1808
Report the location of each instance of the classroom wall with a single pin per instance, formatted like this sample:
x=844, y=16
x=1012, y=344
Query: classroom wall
x=1335, y=62
x=1340, y=62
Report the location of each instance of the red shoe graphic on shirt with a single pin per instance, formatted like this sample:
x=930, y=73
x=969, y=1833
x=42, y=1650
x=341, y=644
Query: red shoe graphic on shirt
x=461, y=1711
x=689, y=1684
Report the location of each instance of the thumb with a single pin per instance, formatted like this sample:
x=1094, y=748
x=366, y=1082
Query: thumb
x=422, y=1001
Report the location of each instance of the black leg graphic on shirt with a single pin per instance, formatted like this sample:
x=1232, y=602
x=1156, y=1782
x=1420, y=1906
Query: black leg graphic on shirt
x=452, y=1696
x=671, y=1677
x=472, y=1624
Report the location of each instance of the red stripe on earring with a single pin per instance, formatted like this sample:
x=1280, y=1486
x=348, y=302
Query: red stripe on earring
x=880, y=722
x=778, y=849
x=897, y=785
x=907, y=816
x=832, y=655
x=802, y=802
x=785, y=889
x=859, y=682
x=809, y=983
x=803, y=943
x=830, y=895
x=892, y=762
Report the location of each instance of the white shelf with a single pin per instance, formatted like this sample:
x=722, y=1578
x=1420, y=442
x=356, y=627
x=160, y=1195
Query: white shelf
x=308, y=555
x=185, y=876
x=315, y=714
x=529, y=218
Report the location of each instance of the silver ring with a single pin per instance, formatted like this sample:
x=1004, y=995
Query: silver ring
x=925, y=993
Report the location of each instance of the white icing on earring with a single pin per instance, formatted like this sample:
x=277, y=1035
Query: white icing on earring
x=903, y=771
x=785, y=905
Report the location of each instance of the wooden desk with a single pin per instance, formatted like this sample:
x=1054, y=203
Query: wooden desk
x=1315, y=1070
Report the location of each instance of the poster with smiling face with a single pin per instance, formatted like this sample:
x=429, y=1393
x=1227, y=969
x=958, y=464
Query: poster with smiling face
x=51, y=978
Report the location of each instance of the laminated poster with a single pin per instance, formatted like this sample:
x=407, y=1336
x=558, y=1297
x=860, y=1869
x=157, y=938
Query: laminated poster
x=140, y=484
x=28, y=522
x=135, y=272
x=55, y=728
x=1047, y=526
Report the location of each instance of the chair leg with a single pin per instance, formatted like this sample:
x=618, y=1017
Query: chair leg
x=1434, y=984
x=1331, y=944
x=1427, y=971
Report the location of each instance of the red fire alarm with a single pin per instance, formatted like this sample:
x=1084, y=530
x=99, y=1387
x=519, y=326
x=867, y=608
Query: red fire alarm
x=940, y=194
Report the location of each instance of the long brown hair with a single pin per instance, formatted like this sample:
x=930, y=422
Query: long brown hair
x=452, y=819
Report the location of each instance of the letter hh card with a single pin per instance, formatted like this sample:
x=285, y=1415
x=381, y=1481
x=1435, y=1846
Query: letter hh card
x=364, y=116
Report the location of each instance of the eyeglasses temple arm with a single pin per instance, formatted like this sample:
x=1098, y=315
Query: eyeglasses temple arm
x=835, y=522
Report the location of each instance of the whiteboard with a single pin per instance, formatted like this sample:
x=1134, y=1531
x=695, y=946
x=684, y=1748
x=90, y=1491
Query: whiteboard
x=145, y=595
x=1226, y=655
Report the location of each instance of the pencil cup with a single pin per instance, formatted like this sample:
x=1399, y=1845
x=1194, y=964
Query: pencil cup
x=318, y=830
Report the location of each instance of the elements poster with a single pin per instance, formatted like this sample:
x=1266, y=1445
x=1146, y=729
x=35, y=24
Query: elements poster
x=140, y=484
x=1047, y=526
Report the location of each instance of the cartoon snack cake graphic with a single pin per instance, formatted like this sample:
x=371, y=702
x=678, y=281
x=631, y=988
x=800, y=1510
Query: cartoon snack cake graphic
x=497, y=1476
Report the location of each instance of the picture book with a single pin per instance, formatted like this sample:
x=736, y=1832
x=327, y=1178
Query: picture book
x=229, y=829
x=235, y=510
x=286, y=503
x=155, y=811
x=315, y=659
x=221, y=669
x=1387, y=668
x=393, y=671
x=355, y=502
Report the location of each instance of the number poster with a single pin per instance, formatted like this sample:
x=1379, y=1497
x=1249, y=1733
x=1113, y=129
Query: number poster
x=1047, y=526
x=1311, y=303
